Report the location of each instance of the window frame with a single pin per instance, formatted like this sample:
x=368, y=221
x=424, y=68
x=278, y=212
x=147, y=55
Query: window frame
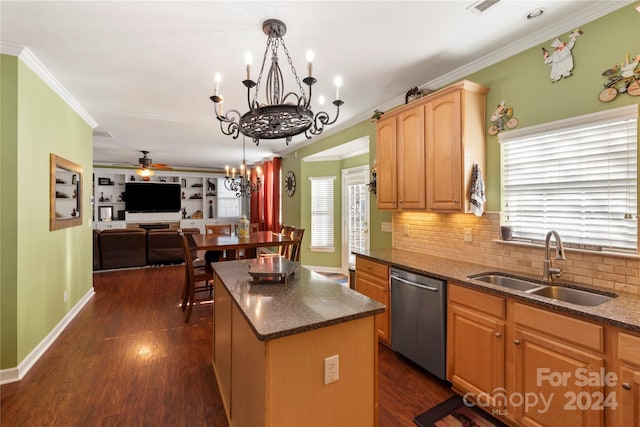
x=628, y=241
x=327, y=243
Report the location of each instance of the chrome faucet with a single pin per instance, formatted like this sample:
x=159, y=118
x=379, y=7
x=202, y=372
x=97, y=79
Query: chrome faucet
x=549, y=273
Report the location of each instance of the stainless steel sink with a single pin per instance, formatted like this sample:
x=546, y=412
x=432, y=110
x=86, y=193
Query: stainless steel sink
x=507, y=281
x=573, y=296
x=559, y=293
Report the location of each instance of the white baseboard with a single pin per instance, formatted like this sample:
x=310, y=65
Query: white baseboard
x=324, y=269
x=16, y=374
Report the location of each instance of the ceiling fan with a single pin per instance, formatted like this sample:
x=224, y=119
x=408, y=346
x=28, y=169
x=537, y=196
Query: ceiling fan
x=145, y=165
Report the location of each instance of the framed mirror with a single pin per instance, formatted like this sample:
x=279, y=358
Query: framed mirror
x=65, y=193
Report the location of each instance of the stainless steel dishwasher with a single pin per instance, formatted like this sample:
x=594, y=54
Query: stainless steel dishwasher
x=418, y=319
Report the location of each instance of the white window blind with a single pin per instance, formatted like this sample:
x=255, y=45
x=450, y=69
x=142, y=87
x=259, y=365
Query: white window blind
x=576, y=176
x=322, y=212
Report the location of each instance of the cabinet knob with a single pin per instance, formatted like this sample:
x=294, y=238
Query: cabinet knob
x=626, y=386
x=516, y=342
x=498, y=334
x=455, y=200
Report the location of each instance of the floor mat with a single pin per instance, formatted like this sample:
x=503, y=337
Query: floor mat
x=453, y=412
x=336, y=277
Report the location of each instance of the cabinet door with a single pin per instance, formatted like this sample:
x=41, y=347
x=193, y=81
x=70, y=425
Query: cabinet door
x=549, y=369
x=386, y=193
x=475, y=354
x=444, y=153
x=411, y=160
x=378, y=290
x=629, y=392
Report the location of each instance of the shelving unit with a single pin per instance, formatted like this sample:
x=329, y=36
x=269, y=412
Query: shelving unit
x=66, y=194
x=199, y=197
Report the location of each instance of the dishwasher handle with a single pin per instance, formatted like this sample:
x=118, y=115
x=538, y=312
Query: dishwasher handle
x=417, y=285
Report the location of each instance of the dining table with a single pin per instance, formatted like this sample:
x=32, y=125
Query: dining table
x=231, y=243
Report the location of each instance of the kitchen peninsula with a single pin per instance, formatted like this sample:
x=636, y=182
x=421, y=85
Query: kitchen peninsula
x=271, y=342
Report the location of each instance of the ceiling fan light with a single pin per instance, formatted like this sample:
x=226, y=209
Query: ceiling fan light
x=144, y=172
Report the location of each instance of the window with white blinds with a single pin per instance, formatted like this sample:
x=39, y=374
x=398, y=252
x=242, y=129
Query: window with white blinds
x=576, y=176
x=322, y=213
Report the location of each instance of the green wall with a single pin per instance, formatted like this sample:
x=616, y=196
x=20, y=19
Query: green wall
x=523, y=81
x=8, y=211
x=296, y=209
x=39, y=265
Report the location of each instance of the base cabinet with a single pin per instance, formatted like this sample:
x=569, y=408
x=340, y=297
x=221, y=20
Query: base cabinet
x=372, y=280
x=628, y=386
x=476, y=345
x=279, y=382
x=534, y=367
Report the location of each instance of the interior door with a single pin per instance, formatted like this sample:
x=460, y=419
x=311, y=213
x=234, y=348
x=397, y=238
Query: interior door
x=355, y=213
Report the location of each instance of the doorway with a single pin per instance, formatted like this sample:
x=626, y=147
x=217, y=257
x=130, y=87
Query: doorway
x=355, y=214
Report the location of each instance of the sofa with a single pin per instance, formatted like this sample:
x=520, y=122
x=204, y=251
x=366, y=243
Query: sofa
x=137, y=247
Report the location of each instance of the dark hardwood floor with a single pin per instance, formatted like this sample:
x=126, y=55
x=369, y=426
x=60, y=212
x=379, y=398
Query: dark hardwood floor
x=129, y=359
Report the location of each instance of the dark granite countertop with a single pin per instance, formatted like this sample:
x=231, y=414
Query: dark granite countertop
x=623, y=311
x=306, y=301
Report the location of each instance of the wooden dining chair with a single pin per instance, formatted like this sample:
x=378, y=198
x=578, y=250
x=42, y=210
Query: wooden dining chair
x=283, y=250
x=193, y=276
x=218, y=229
x=296, y=235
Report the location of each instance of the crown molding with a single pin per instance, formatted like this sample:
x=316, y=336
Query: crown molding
x=29, y=59
x=586, y=15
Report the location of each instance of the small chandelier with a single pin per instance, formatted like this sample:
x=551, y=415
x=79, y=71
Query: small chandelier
x=242, y=185
x=283, y=115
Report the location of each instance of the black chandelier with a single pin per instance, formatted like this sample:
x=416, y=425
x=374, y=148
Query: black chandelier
x=242, y=185
x=283, y=115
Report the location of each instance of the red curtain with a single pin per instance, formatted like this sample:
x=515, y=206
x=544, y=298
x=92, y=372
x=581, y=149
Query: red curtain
x=265, y=204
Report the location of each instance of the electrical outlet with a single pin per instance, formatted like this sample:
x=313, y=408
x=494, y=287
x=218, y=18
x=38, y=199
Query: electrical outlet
x=331, y=369
x=405, y=230
x=66, y=295
x=468, y=236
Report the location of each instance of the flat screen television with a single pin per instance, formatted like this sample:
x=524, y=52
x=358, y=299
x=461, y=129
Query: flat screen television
x=152, y=197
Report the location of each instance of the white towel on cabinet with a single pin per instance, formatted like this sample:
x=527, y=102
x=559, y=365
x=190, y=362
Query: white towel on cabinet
x=477, y=191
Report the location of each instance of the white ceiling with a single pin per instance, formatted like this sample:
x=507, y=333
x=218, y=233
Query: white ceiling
x=143, y=70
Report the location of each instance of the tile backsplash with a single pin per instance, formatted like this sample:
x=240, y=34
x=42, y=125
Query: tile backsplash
x=443, y=235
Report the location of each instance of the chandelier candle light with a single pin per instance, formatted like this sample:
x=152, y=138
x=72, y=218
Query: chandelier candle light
x=242, y=185
x=282, y=115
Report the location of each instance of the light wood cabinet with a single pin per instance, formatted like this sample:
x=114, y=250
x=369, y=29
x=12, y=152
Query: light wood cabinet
x=279, y=382
x=551, y=354
x=426, y=150
x=532, y=366
x=372, y=280
x=627, y=388
x=401, y=161
x=387, y=188
x=411, y=160
x=476, y=344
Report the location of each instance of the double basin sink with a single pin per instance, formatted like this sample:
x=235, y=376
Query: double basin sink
x=559, y=293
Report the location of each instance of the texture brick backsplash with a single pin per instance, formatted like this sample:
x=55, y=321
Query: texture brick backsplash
x=443, y=235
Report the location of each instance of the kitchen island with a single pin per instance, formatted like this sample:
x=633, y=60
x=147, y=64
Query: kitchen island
x=270, y=344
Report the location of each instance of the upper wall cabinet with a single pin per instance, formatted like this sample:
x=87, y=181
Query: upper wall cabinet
x=426, y=150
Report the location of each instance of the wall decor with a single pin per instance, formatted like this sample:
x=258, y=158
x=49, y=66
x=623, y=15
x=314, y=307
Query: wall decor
x=622, y=78
x=561, y=59
x=104, y=181
x=105, y=213
x=501, y=119
x=377, y=114
x=65, y=193
x=290, y=183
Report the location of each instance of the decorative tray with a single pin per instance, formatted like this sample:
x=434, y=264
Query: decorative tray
x=271, y=269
